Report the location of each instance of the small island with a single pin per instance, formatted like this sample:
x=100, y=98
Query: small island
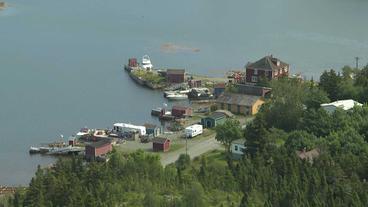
x=2, y=5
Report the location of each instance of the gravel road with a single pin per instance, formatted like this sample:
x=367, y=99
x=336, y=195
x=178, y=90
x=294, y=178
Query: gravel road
x=195, y=149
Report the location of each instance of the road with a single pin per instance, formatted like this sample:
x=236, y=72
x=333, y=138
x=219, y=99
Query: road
x=195, y=149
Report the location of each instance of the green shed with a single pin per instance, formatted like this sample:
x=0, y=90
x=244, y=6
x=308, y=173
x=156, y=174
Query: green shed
x=213, y=120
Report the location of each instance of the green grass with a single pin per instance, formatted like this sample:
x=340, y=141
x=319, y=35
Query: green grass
x=214, y=156
x=149, y=76
x=175, y=147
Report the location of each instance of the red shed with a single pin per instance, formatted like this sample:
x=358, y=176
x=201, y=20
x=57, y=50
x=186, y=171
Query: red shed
x=175, y=75
x=160, y=144
x=97, y=149
x=181, y=111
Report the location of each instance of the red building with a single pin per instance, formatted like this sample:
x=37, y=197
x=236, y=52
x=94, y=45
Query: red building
x=160, y=144
x=268, y=67
x=181, y=111
x=98, y=149
x=175, y=75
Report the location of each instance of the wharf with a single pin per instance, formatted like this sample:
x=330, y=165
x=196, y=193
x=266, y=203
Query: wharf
x=141, y=81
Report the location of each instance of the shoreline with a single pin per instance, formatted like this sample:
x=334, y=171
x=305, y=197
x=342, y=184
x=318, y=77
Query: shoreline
x=3, y=5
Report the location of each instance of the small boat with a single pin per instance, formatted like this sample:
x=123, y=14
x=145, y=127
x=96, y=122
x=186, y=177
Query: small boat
x=177, y=96
x=185, y=91
x=83, y=132
x=45, y=149
x=146, y=62
x=33, y=150
x=156, y=111
x=166, y=93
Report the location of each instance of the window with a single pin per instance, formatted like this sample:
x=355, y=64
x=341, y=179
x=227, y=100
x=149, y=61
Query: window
x=229, y=107
x=238, y=109
x=222, y=106
x=236, y=147
x=266, y=73
x=254, y=79
x=255, y=72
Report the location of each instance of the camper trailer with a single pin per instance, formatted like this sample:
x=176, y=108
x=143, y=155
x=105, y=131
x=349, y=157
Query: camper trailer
x=193, y=130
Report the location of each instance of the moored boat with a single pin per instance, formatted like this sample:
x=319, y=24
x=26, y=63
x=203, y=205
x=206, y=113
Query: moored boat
x=156, y=111
x=83, y=132
x=146, y=62
x=33, y=150
x=177, y=96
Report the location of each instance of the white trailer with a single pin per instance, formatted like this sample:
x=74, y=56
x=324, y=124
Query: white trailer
x=122, y=127
x=194, y=130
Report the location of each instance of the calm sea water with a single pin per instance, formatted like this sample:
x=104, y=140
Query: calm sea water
x=60, y=61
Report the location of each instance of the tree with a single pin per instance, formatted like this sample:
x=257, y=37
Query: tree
x=315, y=97
x=195, y=196
x=300, y=140
x=227, y=132
x=330, y=82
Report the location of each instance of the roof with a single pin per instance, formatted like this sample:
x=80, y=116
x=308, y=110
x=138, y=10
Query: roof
x=100, y=143
x=160, y=140
x=216, y=115
x=225, y=112
x=175, y=71
x=238, y=99
x=343, y=104
x=180, y=108
x=267, y=63
x=150, y=125
x=220, y=85
x=252, y=89
x=238, y=141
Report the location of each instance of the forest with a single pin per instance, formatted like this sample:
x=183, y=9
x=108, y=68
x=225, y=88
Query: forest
x=270, y=173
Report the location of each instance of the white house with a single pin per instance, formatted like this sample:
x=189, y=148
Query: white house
x=343, y=104
x=237, y=148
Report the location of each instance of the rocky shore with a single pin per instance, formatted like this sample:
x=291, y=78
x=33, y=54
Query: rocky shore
x=2, y=5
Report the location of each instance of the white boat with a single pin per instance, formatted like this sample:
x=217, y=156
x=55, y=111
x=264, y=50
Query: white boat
x=177, y=96
x=185, y=91
x=166, y=93
x=146, y=62
x=82, y=132
x=34, y=150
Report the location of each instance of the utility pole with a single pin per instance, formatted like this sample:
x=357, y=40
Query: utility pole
x=186, y=145
x=356, y=62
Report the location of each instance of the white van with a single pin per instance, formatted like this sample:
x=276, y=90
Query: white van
x=194, y=130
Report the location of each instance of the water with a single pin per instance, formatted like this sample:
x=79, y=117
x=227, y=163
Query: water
x=60, y=61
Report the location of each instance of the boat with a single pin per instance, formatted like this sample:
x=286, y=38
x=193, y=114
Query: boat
x=156, y=111
x=33, y=150
x=177, y=96
x=185, y=91
x=146, y=62
x=83, y=132
x=166, y=93
x=45, y=149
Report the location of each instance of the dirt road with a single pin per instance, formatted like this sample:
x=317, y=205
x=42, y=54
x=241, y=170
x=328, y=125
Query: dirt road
x=195, y=149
